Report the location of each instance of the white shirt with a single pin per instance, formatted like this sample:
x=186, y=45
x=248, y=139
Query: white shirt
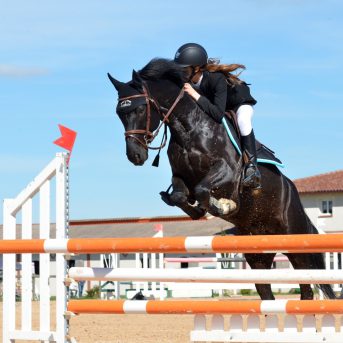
x=197, y=85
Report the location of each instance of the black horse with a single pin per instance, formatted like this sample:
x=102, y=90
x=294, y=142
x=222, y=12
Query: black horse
x=207, y=169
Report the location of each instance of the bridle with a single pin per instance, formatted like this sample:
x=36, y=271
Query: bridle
x=149, y=136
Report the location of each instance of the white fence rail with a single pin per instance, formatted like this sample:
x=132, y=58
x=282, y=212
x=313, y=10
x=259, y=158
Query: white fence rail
x=23, y=205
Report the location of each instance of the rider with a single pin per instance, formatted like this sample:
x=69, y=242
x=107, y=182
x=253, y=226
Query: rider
x=216, y=90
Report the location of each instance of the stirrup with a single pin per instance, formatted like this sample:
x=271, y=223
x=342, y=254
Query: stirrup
x=253, y=180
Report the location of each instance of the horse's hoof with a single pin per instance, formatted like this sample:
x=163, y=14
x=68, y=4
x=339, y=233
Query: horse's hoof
x=178, y=198
x=223, y=206
x=166, y=198
x=227, y=205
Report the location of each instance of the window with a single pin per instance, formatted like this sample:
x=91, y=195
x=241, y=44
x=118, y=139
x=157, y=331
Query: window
x=327, y=207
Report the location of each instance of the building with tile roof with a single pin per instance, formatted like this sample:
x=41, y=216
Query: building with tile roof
x=322, y=198
x=323, y=183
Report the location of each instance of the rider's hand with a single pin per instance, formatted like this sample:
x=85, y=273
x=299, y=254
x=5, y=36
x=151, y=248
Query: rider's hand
x=191, y=91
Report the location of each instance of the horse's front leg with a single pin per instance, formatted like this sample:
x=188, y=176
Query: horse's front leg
x=262, y=261
x=218, y=180
x=180, y=197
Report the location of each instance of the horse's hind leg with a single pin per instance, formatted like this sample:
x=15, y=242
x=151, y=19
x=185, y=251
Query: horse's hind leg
x=302, y=261
x=180, y=197
x=262, y=261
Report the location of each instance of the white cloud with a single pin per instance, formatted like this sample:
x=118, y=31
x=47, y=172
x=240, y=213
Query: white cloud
x=17, y=71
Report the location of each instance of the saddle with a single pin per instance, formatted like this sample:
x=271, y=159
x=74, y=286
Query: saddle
x=264, y=154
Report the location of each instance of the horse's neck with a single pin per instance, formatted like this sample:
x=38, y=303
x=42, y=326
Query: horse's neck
x=184, y=123
x=188, y=122
x=179, y=121
x=164, y=91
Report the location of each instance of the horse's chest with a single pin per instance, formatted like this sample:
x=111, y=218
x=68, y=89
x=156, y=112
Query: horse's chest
x=192, y=158
x=195, y=162
x=199, y=161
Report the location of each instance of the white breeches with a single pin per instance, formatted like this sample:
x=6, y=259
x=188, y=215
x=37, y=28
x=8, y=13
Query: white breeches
x=244, y=117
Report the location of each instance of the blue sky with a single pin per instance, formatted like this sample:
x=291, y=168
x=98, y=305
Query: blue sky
x=54, y=57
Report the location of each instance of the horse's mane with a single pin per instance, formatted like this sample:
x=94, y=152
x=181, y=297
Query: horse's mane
x=161, y=68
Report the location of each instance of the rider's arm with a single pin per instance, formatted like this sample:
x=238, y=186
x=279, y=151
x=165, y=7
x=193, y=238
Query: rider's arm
x=216, y=109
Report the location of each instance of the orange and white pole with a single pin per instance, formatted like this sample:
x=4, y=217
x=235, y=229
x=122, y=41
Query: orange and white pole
x=206, y=306
x=305, y=243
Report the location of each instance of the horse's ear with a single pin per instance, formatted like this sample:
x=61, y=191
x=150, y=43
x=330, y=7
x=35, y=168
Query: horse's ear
x=117, y=84
x=137, y=80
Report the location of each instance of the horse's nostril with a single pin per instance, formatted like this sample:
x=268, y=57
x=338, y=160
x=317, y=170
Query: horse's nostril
x=137, y=157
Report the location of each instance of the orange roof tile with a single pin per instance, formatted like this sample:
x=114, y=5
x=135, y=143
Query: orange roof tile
x=328, y=182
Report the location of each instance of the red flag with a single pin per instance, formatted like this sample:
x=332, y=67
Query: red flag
x=67, y=139
x=158, y=227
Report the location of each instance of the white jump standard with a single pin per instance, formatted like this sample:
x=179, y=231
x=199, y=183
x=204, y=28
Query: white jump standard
x=253, y=311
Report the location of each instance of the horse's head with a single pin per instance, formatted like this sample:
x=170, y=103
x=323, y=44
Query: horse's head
x=139, y=117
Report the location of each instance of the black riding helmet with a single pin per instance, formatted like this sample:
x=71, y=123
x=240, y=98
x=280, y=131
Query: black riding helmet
x=191, y=54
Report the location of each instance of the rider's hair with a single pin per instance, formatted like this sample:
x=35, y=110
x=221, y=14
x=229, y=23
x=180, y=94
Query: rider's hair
x=214, y=65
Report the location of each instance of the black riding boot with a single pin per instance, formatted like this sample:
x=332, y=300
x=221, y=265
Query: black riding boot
x=251, y=175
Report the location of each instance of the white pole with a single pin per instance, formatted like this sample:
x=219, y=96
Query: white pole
x=335, y=267
x=106, y=261
x=257, y=276
x=44, y=259
x=145, y=267
x=137, y=285
x=26, y=270
x=61, y=233
x=116, y=262
x=160, y=265
x=153, y=266
x=219, y=267
x=9, y=271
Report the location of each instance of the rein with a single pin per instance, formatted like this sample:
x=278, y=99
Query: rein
x=147, y=134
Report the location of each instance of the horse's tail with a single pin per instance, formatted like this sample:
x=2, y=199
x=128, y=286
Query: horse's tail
x=318, y=262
